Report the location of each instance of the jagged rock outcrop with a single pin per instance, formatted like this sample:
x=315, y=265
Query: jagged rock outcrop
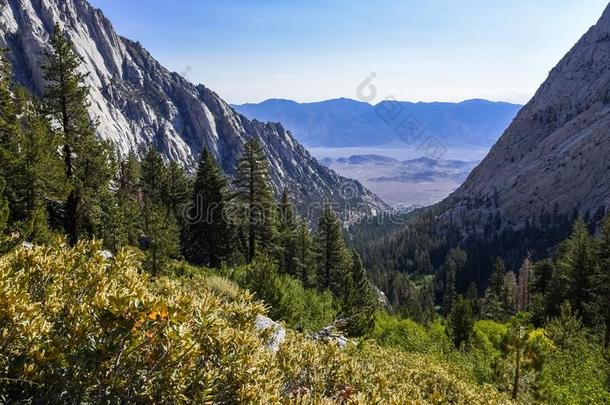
x=137, y=101
x=556, y=154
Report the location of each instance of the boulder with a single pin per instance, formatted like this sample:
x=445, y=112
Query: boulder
x=277, y=332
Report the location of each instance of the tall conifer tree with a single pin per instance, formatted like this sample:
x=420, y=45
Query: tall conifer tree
x=255, y=196
x=330, y=252
x=209, y=235
x=461, y=322
x=4, y=210
x=162, y=240
x=40, y=177
x=9, y=131
x=577, y=262
x=304, y=254
x=360, y=300
x=176, y=190
x=86, y=160
x=287, y=230
x=601, y=282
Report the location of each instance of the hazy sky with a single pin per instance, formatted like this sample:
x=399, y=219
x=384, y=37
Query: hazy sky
x=420, y=50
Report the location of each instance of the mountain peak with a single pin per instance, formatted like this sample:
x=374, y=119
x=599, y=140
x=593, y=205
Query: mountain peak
x=554, y=154
x=137, y=102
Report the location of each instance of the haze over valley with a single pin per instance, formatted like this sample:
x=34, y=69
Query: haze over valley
x=381, y=145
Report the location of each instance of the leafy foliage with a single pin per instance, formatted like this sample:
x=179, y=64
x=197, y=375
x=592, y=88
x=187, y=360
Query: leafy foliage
x=79, y=326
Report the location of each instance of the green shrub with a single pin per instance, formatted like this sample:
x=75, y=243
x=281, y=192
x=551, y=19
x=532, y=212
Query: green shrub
x=577, y=371
x=76, y=328
x=488, y=335
x=305, y=308
x=410, y=336
x=286, y=297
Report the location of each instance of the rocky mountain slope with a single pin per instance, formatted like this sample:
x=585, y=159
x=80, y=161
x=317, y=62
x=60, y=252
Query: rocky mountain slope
x=347, y=123
x=556, y=153
x=137, y=101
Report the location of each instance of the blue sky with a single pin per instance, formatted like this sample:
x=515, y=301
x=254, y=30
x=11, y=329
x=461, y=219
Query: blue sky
x=419, y=50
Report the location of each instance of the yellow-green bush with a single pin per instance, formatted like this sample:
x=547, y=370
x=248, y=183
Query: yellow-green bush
x=77, y=328
x=366, y=373
x=410, y=336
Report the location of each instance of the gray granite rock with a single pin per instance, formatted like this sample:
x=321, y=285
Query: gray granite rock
x=277, y=333
x=137, y=101
x=556, y=153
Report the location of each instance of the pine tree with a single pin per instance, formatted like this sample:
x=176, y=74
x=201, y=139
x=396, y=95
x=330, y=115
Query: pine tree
x=509, y=296
x=129, y=199
x=525, y=349
x=4, y=209
x=454, y=264
x=472, y=295
x=359, y=298
x=426, y=298
x=152, y=175
x=85, y=159
x=547, y=291
x=601, y=281
x=450, y=291
x=304, y=255
x=523, y=285
x=162, y=240
x=31, y=164
x=287, y=232
x=255, y=197
x=176, y=190
x=113, y=222
x=330, y=252
x=209, y=235
x=577, y=262
x=40, y=179
x=153, y=172
x=128, y=177
x=10, y=133
x=498, y=303
x=162, y=236
x=461, y=322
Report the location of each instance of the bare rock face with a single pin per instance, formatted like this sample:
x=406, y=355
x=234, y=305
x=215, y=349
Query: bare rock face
x=556, y=153
x=137, y=101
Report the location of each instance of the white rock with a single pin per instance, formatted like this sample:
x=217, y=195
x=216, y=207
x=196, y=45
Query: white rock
x=137, y=101
x=278, y=333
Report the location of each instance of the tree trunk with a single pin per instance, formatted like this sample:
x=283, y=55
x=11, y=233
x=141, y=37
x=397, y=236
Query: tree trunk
x=252, y=233
x=517, y=376
x=607, y=335
x=71, y=217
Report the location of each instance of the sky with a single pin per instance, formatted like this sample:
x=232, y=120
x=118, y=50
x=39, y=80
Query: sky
x=412, y=50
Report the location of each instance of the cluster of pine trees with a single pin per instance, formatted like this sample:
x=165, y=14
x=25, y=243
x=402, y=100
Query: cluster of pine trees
x=575, y=282
x=56, y=177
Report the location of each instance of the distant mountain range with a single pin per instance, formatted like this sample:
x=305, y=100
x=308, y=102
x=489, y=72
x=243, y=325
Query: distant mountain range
x=347, y=123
